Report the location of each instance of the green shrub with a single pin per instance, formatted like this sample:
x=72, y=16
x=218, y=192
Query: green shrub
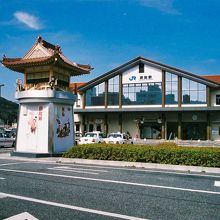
x=164, y=153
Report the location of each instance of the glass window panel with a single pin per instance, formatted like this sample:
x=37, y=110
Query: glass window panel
x=171, y=88
x=131, y=89
x=101, y=88
x=95, y=95
x=116, y=88
x=125, y=89
x=193, y=85
x=174, y=86
x=168, y=76
x=174, y=78
x=113, y=91
x=110, y=81
x=138, y=89
x=194, y=94
x=202, y=87
x=193, y=97
x=110, y=88
x=202, y=96
x=142, y=94
x=168, y=86
x=186, y=97
x=185, y=84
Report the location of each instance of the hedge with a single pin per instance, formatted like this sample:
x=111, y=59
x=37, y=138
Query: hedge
x=164, y=153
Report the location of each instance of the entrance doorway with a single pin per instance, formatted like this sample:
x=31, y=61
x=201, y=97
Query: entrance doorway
x=194, y=131
x=172, y=130
x=150, y=130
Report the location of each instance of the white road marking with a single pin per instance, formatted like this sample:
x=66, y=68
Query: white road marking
x=73, y=171
x=113, y=181
x=94, y=211
x=21, y=216
x=2, y=196
x=7, y=164
x=119, y=168
x=1, y=178
x=75, y=168
x=217, y=183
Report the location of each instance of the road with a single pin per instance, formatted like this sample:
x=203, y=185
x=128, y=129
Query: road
x=50, y=190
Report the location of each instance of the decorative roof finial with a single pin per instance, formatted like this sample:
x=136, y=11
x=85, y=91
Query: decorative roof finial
x=39, y=39
x=58, y=49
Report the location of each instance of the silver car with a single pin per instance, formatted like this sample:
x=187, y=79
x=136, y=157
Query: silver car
x=6, y=140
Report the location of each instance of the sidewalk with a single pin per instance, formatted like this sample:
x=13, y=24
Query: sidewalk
x=166, y=167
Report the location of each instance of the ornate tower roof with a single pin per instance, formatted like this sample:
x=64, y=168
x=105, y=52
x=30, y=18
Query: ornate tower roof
x=44, y=53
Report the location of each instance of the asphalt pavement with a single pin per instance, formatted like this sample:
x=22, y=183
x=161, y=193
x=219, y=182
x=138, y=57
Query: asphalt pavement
x=51, y=190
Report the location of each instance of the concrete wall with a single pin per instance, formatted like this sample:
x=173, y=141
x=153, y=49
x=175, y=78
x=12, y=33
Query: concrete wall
x=150, y=74
x=215, y=126
x=213, y=97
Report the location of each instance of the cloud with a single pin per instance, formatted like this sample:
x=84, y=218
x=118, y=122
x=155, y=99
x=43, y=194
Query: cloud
x=165, y=6
x=27, y=19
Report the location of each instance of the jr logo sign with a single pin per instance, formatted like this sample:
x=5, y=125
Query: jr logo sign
x=132, y=78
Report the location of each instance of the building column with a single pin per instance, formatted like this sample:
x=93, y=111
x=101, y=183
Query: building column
x=179, y=91
x=208, y=127
x=120, y=121
x=106, y=124
x=83, y=100
x=208, y=98
x=83, y=123
x=163, y=127
x=106, y=94
x=120, y=91
x=179, y=125
x=163, y=88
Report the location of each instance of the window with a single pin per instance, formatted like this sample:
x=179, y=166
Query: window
x=142, y=94
x=193, y=92
x=217, y=99
x=171, y=86
x=37, y=77
x=62, y=80
x=91, y=127
x=98, y=128
x=96, y=95
x=141, y=67
x=113, y=91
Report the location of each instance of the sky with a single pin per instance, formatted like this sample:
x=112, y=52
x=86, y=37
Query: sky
x=107, y=33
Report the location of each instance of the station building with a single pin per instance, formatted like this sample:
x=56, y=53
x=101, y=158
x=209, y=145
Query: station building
x=150, y=100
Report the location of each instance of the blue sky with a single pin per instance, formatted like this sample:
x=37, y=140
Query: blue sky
x=107, y=33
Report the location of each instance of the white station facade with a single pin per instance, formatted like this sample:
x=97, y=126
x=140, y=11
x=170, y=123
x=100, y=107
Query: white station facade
x=150, y=100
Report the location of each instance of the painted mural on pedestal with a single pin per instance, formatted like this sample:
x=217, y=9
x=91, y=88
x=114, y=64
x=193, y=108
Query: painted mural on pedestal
x=33, y=127
x=63, y=137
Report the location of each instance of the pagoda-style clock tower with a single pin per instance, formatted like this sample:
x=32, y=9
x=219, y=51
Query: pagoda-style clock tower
x=45, y=124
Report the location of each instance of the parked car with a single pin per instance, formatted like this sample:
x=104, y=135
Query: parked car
x=118, y=138
x=92, y=138
x=6, y=140
x=78, y=135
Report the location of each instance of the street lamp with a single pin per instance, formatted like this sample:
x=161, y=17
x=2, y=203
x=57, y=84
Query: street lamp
x=1, y=89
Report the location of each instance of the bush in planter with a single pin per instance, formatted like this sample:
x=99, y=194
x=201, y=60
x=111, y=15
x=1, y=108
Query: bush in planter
x=164, y=153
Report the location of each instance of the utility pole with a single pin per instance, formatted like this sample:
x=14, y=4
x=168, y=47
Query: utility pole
x=1, y=85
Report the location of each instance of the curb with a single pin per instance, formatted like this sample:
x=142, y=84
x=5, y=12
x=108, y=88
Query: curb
x=156, y=166
x=142, y=165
